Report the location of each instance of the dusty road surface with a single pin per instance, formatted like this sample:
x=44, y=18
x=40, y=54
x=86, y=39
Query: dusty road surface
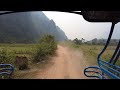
x=67, y=64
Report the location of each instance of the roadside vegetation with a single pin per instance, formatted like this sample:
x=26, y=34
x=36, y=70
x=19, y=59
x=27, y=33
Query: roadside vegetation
x=91, y=51
x=36, y=54
x=46, y=46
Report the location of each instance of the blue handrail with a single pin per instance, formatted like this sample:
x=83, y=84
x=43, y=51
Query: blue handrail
x=107, y=68
x=6, y=69
x=110, y=71
x=99, y=75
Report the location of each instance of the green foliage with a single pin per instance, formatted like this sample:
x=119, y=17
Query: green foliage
x=47, y=46
x=91, y=52
x=77, y=41
x=6, y=57
x=34, y=52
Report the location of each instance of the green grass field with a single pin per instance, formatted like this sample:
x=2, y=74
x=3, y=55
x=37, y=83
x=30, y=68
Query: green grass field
x=91, y=52
x=23, y=50
x=35, y=53
x=18, y=48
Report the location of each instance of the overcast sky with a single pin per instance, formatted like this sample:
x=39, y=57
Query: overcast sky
x=75, y=26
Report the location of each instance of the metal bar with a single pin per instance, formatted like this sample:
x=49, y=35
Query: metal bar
x=7, y=72
x=110, y=74
x=6, y=69
x=94, y=67
x=6, y=65
x=108, y=40
x=92, y=76
x=117, y=57
x=106, y=45
x=110, y=68
x=116, y=50
x=96, y=73
x=110, y=64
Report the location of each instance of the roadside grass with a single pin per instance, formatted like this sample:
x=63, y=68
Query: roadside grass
x=8, y=51
x=30, y=73
x=28, y=51
x=37, y=54
x=91, y=52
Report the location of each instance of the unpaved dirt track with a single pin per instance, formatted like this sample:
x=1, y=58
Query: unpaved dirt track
x=67, y=64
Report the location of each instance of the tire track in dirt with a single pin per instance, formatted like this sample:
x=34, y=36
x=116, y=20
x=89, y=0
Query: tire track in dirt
x=67, y=64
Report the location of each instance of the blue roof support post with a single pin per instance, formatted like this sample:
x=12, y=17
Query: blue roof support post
x=108, y=41
x=107, y=69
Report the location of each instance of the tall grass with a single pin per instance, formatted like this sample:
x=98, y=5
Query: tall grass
x=91, y=52
x=6, y=57
x=34, y=52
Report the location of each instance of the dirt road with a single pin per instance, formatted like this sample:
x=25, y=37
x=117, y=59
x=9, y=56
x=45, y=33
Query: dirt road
x=67, y=64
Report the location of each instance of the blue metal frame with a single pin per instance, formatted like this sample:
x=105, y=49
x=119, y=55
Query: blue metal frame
x=98, y=74
x=108, y=69
x=6, y=69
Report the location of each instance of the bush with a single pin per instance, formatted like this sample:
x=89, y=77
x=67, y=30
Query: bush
x=6, y=57
x=47, y=46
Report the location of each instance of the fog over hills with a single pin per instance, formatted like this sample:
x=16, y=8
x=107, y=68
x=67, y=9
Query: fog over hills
x=27, y=27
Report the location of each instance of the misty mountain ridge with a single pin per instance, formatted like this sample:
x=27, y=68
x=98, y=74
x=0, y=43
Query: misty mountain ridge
x=28, y=27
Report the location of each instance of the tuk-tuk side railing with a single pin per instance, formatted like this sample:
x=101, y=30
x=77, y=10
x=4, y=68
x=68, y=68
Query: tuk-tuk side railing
x=6, y=69
x=107, y=68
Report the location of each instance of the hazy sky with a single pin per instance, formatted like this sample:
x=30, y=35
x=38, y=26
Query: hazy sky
x=75, y=26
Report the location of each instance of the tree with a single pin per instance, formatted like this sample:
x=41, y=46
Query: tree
x=77, y=41
x=83, y=40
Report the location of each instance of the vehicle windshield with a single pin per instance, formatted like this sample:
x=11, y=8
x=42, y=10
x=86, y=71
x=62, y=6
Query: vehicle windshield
x=53, y=45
